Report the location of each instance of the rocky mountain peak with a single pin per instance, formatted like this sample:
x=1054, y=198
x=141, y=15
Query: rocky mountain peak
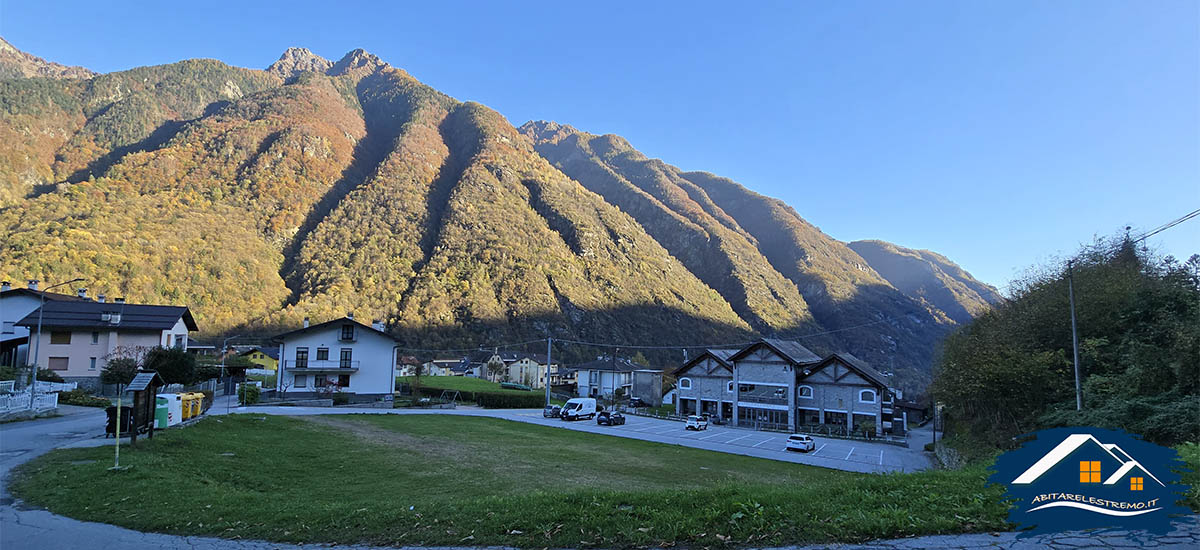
x=358, y=60
x=298, y=60
x=15, y=63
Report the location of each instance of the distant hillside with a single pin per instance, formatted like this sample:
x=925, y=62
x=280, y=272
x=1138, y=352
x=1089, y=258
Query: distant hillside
x=931, y=277
x=316, y=188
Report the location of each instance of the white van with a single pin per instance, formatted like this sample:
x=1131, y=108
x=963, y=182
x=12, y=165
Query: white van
x=579, y=408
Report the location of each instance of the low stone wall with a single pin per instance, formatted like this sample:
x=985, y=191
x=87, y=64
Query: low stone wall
x=949, y=458
x=296, y=403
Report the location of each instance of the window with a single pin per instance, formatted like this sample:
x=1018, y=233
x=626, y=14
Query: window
x=347, y=332
x=8, y=327
x=95, y=337
x=1135, y=484
x=302, y=358
x=805, y=392
x=60, y=337
x=347, y=354
x=744, y=388
x=179, y=340
x=319, y=381
x=344, y=380
x=322, y=354
x=729, y=387
x=92, y=363
x=301, y=380
x=866, y=396
x=685, y=383
x=59, y=363
x=1089, y=471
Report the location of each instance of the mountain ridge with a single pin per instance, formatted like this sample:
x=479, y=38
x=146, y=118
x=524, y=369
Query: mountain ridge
x=315, y=188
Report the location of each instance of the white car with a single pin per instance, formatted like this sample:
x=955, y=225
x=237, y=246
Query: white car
x=800, y=442
x=696, y=423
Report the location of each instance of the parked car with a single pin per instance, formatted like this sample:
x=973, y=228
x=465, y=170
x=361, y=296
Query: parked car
x=800, y=442
x=696, y=423
x=578, y=408
x=636, y=402
x=552, y=411
x=514, y=386
x=609, y=418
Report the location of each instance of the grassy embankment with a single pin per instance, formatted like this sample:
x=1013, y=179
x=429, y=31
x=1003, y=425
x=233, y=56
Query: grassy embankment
x=479, y=481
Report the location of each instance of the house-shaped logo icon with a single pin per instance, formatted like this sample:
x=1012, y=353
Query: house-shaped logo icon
x=1079, y=478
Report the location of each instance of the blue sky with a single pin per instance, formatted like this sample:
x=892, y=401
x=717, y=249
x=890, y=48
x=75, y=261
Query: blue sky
x=1000, y=134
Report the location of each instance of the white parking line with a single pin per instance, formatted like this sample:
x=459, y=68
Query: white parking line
x=849, y=453
x=763, y=441
x=737, y=438
x=819, y=448
x=713, y=435
x=881, y=457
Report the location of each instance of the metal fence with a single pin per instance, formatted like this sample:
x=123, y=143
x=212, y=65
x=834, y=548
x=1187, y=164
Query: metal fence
x=46, y=387
x=20, y=401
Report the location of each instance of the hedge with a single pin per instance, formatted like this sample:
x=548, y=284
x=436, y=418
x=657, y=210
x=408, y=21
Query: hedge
x=494, y=400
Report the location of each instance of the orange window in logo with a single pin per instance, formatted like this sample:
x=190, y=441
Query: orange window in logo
x=1135, y=484
x=1089, y=471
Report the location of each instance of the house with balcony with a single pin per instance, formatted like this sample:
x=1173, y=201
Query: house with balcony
x=513, y=366
x=79, y=337
x=342, y=355
x=781, y=385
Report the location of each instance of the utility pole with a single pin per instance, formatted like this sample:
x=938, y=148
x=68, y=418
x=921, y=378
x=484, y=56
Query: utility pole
x=1074, y=335
x=548, y=362
x=224, y=348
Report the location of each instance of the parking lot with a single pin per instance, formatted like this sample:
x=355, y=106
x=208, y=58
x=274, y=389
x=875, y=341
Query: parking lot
x=840, y=454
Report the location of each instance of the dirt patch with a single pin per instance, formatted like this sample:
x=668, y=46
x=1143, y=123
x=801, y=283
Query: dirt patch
x=433, y=446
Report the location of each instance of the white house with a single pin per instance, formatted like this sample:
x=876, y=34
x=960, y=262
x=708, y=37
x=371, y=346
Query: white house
x=79, y=337
x=15, y=304
x=604, y=376
x=342, y=356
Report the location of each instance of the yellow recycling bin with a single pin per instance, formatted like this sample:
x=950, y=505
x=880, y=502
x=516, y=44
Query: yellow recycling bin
x=189, y=408
x=197, y=403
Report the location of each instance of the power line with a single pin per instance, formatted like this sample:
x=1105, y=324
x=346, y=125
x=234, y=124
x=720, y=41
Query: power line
x=1168, y=225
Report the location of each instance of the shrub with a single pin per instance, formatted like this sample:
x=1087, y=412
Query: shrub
x=80, y=397
x=47, y=375
x=509, y=400
x=249, y=394
x=8, y=373
x=340, y=398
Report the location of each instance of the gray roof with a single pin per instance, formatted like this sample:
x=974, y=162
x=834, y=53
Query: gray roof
x=319, y=326
x=81, y=314
x=794, y=351
x=49, y=295
x=606, y=364
x=859, y=365
x=720, y=354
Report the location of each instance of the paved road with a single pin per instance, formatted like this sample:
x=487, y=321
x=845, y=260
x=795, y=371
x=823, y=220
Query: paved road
x=22, y=528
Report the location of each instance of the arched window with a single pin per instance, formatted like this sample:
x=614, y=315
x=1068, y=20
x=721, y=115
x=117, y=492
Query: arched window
x=685, y=383
x=866, y=396
x=729, y=386
x=805, y=392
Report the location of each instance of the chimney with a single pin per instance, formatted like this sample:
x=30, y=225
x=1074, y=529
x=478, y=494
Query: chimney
x=350, y=316
x=306, y=322
x=377, y=325
x=100, y=298
x=118, y=300
x=33, y=284
x=82, y=293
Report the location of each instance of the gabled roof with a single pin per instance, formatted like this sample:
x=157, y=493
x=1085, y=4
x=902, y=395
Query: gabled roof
x=88, y=314
x=787, y=349
x=273, y=353
x=606, y=364
x=483, y=356
x=321, y=326
x=1069, y=445
x=717, y=354
x=855, y=364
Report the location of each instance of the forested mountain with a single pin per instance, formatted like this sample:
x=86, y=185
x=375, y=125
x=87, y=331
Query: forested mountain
x=316, y=188
x=931, y=277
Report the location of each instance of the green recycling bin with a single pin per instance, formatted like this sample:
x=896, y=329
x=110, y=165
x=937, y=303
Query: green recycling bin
x=161, y=412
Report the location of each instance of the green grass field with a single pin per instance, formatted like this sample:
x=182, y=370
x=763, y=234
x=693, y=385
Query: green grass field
x=445, y=480
x=462, y=383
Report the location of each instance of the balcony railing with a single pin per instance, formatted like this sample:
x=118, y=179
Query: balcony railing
x=320, y=364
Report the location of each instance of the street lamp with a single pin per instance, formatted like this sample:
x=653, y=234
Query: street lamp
x=38, y=347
